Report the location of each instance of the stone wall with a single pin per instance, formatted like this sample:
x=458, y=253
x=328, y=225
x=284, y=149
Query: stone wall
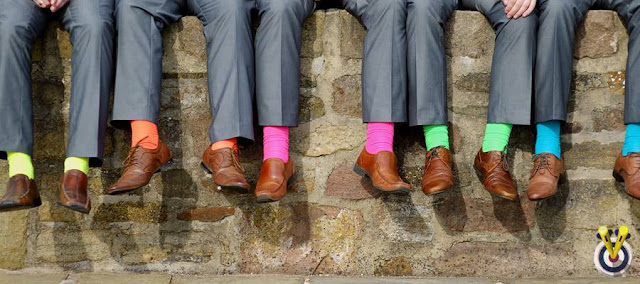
x=331, y=222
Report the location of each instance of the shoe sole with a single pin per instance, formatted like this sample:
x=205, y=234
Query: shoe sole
x=361, y=172
x=267, y=199
x=74, y=207
x=620, y=179
x=14, y=207
x=127, y=190
x=494, y=194
x=226, y=187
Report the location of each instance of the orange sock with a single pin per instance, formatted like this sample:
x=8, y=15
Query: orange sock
x=144, y=134
x=228, y=143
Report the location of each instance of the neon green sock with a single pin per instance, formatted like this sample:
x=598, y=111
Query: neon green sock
x=20, y=163
x=77, y=163
x=436, y=135
x=496, y=137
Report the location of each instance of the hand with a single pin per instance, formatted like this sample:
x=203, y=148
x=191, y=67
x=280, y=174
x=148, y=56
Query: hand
x=57, y=4
x=519, y=8
x=42, y=3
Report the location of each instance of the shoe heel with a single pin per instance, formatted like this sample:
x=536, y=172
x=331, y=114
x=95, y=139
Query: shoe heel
x=166, y=166
x=204, y=167
x=358, y=170
x=617, y=177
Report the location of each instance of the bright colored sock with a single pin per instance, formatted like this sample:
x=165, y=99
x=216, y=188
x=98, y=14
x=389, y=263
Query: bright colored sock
x=436, y=135
x=379, y=137
x=548, y=139
x=276, y=142
x=631, y=139
x=227, y=143
x=20, y=163
x=144, y=134
x=77, y=163
x=496, y=137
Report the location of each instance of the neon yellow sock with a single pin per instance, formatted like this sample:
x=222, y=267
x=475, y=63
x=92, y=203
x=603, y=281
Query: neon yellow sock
x=496, y=137
x=77, y=163
x=436, y=135
x=20, y=164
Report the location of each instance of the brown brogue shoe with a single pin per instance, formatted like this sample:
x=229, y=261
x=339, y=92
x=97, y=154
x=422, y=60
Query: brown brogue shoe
x=493, y=170
x=274, y=178
x=72, y=192
x=224, y=165
x=626, y=170
x=139, y=167
x=545, y=176
x=438, y=171
x=21, y=193
x=382, y=169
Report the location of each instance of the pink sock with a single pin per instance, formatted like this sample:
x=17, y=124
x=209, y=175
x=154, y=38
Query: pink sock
x=276, y=142
x=379, y=137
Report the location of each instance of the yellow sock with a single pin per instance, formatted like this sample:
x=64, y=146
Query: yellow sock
x=20, y=163
x=77, y=163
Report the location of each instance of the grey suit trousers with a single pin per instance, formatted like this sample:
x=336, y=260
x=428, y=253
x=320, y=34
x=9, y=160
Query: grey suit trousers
x=230, y=60
x=404, y=53
x=556, y=42
x=90, y=24
x=278, y=42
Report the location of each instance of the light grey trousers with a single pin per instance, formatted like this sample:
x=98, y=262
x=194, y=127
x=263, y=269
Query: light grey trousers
x=556, y=42
x=90, y=24
x=230, y=60
x=404, y=53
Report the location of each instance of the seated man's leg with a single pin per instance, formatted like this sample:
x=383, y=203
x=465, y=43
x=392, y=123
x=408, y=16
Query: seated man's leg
x=278, y=43
x=384, y=91
x=510, y=92
x=427, y=81
x=626, y=165
x=137, y=91
x=20, y=23
x=230, y=64
x=554, y=66
x=93, y=37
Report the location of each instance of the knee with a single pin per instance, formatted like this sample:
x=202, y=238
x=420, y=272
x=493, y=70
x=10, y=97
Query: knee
x=437, y=11
x=558, y=10
x=283, y=8
x=93, y=28
x=382, y=6
x=13, y=32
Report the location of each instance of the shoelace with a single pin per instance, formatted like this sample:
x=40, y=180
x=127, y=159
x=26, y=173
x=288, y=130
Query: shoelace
x=543, y=164
x=129, y=161
x=503, y=160
x=235, y=153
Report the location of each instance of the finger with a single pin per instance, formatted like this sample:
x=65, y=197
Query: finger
x=515, y=8
x=506, y=5
x=524, y=7
x=530, y=10
x=510, y=6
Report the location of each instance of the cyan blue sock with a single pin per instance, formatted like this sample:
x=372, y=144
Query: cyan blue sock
x=548, y=139
x=631, y=139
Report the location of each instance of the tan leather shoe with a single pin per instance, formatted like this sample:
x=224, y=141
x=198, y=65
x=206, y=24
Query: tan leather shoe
x=438, y=172
x=545, y=176
x=224, y=165
x=382, y=169
x=139, y=167
x=493, y=170
x=626, y=170
x=274, y=179
x=72, y=192
x=21, y=193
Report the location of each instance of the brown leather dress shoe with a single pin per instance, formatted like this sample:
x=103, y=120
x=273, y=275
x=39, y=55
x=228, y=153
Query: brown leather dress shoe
x=21, y=193
x=382, y=169
x=224, y=165
x=72, y=192
x=139, y=167
x=274, y=178
x=438, y=173
x=545, y=176
x=493, y=170
x=626, y=170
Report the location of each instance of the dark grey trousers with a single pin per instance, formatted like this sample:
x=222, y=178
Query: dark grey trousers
x=404, y=51
x=556, y=42
x=230, y=60
x=90, y=24
x=278, y=42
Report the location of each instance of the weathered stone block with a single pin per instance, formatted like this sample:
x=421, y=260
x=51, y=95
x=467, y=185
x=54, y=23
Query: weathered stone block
x=342, y=183
x=597, y=35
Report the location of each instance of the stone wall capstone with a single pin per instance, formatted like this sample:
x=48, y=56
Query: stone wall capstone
x=331, y=221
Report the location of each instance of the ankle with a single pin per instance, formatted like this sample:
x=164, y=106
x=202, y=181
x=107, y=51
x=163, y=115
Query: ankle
x=222, y=144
